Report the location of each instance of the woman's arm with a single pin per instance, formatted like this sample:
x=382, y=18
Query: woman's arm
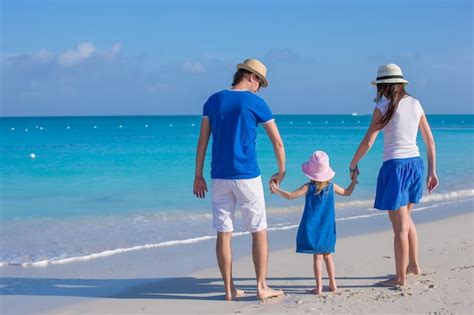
x=200, y=187
x=279, y=149
x=286, y=194
x=367, y=142
x=432, y=180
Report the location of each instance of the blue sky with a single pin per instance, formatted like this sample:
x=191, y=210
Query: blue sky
x=167, y=57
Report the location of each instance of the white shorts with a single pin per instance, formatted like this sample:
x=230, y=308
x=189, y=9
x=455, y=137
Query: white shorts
x=245, y=194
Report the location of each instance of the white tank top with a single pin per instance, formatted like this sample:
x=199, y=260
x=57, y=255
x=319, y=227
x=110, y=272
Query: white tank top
x=399, y=135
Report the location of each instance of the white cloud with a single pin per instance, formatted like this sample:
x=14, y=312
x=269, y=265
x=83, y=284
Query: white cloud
x=194, y=67
x=75, y=56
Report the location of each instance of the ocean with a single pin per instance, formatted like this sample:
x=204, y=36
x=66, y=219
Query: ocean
x=81, y=188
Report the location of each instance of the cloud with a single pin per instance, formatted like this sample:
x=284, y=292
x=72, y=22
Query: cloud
x=194, y=67
x=75, y=56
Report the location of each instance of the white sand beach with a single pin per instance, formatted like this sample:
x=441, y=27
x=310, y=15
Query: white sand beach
x=446, y=285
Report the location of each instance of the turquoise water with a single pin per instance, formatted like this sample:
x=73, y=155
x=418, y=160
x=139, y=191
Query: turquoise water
x=102, y=183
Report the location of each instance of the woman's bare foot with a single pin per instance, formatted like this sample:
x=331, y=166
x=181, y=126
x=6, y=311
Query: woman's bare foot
x=414, y=269
x=392, y=282
x=268, y=293
x=333, y=287
x=317, y=291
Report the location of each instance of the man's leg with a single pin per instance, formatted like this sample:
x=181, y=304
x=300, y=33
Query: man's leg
x=260, y=261
x=224, y=259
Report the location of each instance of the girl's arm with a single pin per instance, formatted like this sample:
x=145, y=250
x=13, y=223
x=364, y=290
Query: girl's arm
x=346, y=191
x=200, y=187
x=367, y=142
x=286, y=194
x=432, y=180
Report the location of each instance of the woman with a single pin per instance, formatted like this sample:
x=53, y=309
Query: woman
x=399, y=184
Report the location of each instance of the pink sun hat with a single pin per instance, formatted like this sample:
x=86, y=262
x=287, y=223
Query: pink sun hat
x=317, y=168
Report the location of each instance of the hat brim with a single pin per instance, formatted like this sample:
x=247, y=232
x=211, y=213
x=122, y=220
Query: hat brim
x=318, y=177
x=261, y=76
x=375, y=82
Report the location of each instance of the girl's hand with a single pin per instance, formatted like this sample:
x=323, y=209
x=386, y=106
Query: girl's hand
x=432, y=182
x=200, y=187
x=273, y=187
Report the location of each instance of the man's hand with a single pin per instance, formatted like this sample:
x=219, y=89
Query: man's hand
x=200, y=187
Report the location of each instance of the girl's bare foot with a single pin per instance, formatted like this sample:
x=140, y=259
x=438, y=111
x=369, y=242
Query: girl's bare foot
x=414, y=269
x=392, y=282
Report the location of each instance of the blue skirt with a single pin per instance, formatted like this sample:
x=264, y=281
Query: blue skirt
x=400, y=182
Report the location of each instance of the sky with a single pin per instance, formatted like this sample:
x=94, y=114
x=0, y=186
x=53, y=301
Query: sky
x=62, y=58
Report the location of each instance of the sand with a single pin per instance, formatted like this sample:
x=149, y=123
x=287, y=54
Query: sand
x=446, y=285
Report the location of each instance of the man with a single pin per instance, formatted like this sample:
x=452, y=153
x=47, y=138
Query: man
x=232, y=116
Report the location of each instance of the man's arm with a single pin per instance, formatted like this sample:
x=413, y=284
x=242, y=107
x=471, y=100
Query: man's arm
x=200, y=187
x=279, y=149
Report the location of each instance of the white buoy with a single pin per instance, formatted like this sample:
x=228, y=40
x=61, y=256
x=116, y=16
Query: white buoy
x=326, y=122
x=36, y=127
x=120, y=126
x=13, y=129
x=192, y=125
x=171, y=125
x=26, y=130
x=41, y=128
x=33, y=156
x=95, y=127
x=146, y=126
x=68, y=127
x=309, y=123
x=291, y=123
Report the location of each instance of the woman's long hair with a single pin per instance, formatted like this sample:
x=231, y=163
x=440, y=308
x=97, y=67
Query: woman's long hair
x=394, y=92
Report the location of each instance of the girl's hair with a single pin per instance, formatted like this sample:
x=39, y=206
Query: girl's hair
x=320, y=185
x=394, y=92
x=239, y=76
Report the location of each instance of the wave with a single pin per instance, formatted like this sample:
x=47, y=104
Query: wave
x=447, y=197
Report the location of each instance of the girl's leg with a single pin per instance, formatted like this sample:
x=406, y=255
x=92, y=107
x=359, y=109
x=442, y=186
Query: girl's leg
x=318, y=273
x=331, y=271
x=413, y=265
x=401, y=226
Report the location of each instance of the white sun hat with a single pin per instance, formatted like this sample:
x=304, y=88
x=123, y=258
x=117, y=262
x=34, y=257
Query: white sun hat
x=389, y=73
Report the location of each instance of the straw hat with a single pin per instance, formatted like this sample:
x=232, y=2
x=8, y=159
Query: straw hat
x=317, y=168
x=256, y=67
x=389, y=73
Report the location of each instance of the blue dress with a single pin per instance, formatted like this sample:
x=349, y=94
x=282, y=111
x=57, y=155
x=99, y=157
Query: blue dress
x=317, y=230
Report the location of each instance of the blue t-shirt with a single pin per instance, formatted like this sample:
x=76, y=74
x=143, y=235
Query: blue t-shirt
x=234, y=117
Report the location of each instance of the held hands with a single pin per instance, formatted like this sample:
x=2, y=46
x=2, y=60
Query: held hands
x=353, y=173
x=432, y=181
x=277, y=178
x=273, y=187
x=200, y=187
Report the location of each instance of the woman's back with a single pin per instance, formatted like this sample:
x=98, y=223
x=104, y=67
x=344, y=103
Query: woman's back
x=401, y=131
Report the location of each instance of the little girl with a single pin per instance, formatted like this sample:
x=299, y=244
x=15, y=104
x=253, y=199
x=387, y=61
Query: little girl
x=317, y=229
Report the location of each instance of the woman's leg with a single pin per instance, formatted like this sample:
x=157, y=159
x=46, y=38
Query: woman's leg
x=331, y=271
x=413, y=265
x=318, y=273
x=401, y=226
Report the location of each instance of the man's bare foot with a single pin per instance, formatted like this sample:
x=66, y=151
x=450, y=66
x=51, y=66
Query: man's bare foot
x=317, y=291
x=268, y=293
x=392, y=282
x=414, y=269
x=236, y=293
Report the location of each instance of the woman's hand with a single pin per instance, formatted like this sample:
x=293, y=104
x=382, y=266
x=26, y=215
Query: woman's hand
x=432, y=181
x=277, y=178
x=200, y=187
x=353, y=172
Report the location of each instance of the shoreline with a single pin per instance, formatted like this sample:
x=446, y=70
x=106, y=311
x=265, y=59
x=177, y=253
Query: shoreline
x=70, y=288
